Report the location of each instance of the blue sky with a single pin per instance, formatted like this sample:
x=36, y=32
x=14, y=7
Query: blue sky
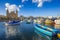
x=30, y=9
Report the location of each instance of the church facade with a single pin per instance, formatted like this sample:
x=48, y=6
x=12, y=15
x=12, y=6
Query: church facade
x=12, y=14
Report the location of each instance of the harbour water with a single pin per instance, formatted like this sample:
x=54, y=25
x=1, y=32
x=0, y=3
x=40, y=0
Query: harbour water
x=17, y=32
x=24, y=31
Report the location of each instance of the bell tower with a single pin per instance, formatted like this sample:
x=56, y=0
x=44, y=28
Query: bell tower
x=7, y=13
x=16, y=13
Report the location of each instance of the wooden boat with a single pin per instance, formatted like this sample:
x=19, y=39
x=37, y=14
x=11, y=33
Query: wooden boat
x=46, y=31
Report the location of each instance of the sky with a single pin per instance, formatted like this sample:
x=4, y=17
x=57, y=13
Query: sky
x=31, y=7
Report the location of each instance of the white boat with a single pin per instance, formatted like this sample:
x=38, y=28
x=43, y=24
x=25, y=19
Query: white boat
x=15, y=22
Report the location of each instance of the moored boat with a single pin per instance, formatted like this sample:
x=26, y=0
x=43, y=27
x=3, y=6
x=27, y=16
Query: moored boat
x=15, y=22
x=57, y=24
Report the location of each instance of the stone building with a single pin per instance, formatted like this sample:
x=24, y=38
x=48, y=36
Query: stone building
x=12, y=14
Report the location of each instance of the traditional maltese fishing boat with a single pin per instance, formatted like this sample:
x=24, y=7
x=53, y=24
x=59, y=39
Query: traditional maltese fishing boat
x=46, y=32
x=15, y=22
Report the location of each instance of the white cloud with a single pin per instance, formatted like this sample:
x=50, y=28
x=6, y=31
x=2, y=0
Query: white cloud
x=40, y=2
x=24, y=0
x=12, y=7
x=47, y=0
x=7, y=4
x=20, y=6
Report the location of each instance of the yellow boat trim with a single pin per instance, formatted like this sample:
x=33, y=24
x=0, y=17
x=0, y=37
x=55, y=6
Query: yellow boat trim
x=58, y=35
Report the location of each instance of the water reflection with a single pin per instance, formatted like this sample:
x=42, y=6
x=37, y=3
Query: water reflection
x=16, y=32
x=13, y=32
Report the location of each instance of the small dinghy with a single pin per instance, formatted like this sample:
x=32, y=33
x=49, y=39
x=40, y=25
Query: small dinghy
x=15, y=22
